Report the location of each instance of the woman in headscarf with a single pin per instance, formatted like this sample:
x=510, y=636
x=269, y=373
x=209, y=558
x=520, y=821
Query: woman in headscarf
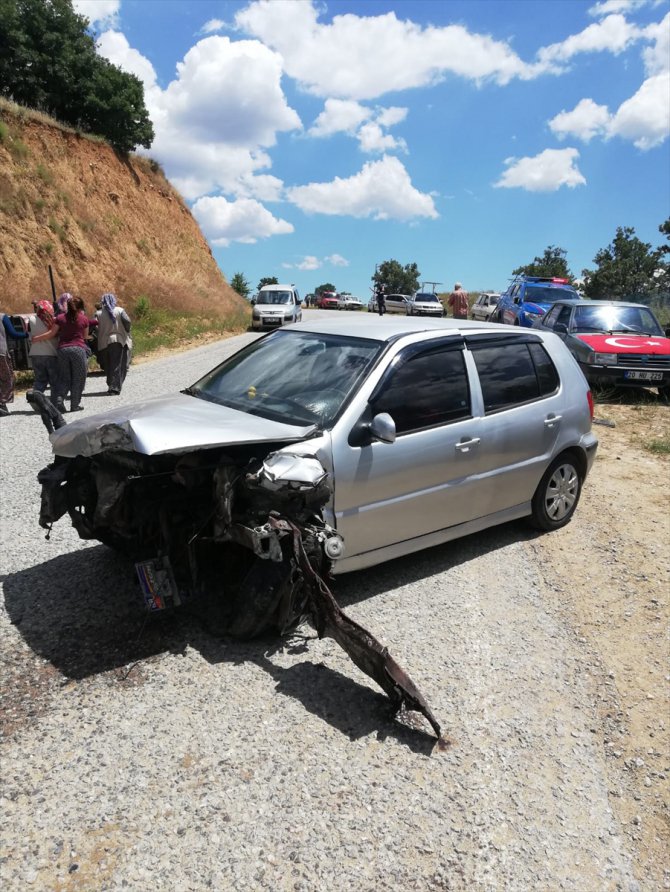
x=71, y=328
x=44, y=355
x=114, y=342
x=6, y=367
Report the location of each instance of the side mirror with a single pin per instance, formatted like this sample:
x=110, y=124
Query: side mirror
x=561, y=328
x=516, y=300
x=667, y=331
x=382, y=427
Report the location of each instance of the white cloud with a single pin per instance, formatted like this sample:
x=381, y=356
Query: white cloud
x=389, y=117
x=657, y=56
x=336, y=260
x=215, y=119
x=363, y=57
x=546, y=172
x=382, y=190
x=212, y=26
x=645, y=117
x=613, y=34
x=244, y=220
x=609, y=6
x=99, y=12
x=373, y=139
x=339, y=116
x=114, y=46
x=586, y=120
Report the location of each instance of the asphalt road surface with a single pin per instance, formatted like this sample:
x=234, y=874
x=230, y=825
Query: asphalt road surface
x=154, y=755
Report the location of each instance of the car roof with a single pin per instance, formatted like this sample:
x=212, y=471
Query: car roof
x=389, y=328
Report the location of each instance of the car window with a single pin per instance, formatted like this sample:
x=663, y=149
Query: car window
x=292, y=377
x=425, y=389
x=512, y=373
x=550, y=318
x=275, y=297
x=638, y=320
x=564, y=315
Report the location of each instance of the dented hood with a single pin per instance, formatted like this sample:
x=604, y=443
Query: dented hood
x=174, y=423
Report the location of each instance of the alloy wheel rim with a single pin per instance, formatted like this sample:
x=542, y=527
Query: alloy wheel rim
x=562, y=492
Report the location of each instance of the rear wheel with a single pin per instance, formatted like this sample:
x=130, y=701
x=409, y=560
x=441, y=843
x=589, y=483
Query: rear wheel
x=557, y=495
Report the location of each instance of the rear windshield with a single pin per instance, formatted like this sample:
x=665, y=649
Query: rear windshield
x=543, y=294
x=274, y=297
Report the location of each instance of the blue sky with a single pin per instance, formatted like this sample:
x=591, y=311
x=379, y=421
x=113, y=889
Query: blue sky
x=313, y=140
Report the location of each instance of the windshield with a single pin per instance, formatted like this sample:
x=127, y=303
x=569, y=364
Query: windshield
x=424, y=298
x=543, y=294
x=293, y=377
x=274, y=297
x=494, y=298
x=638, y=320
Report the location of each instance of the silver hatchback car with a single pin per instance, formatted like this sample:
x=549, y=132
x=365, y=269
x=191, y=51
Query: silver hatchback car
x=323, y=448
x=430, y=426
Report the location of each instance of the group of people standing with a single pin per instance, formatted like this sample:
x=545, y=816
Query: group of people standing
x=59, y=349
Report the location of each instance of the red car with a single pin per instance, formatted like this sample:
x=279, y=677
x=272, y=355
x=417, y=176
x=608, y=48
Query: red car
x=327, y=300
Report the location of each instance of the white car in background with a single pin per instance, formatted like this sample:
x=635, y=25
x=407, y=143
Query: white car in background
x=349, y=302
x=424, y=303
x=276, y=305
x=485, y=305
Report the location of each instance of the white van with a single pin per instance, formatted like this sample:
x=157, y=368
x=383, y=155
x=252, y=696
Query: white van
x=276, y=305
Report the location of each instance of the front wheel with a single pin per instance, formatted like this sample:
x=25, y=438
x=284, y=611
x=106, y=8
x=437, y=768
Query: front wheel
x=557, y=495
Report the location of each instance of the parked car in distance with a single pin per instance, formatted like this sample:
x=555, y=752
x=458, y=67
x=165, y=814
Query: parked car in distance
x=424, y=303
x=276, y=305
x=615, y=343
x=485, y=306
x=349, y=302
x=327, y=300
x=397, y=303
x=528, y=298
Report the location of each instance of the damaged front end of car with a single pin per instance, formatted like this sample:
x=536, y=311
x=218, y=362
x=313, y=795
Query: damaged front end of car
x=240, y=537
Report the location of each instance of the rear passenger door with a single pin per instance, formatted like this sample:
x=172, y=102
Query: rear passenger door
x=521, y=404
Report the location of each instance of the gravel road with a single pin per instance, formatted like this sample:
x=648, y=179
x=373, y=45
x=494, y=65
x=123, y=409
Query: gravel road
x=141, y=756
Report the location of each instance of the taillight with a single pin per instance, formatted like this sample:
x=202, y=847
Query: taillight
x=589, y=397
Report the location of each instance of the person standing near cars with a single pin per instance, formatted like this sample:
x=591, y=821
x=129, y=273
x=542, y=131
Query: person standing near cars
x=43, y=355
x=114, y=342
x=6, y=367
x=71, y=328
x=458, y=301
x=381, y=300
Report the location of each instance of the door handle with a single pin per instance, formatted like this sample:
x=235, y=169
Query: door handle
x=464, y=445
x=552, y=420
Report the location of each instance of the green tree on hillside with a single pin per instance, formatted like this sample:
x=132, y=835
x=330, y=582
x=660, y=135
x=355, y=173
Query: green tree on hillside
x=627, y=269
x=48, y=61
x=239, y=283
x=396, y=278
x=268, y=280
x=328, y=286
x=553, y=263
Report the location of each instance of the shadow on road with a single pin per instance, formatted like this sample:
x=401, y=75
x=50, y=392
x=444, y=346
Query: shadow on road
x=82, y=613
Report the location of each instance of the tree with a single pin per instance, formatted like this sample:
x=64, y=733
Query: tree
x=552, y=264
x=268, y=280
x=239, y=283
x=328, y=286
x=48, y=61
x=627, y=268
x=397, y=279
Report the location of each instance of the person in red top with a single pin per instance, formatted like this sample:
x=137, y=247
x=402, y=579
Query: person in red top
x=71, y=328
x=458, y=301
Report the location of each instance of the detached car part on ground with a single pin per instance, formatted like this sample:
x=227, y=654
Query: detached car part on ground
x=324, y=448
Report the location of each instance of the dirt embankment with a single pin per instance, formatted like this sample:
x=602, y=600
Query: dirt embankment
x=103, y=222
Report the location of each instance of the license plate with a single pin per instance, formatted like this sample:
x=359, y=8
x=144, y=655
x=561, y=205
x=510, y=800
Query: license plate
x=643, y=376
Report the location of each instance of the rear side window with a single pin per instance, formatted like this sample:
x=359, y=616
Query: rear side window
x=511, y=374
x=427, y=389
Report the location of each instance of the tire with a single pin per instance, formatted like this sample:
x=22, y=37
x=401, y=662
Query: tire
x=557, y=495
